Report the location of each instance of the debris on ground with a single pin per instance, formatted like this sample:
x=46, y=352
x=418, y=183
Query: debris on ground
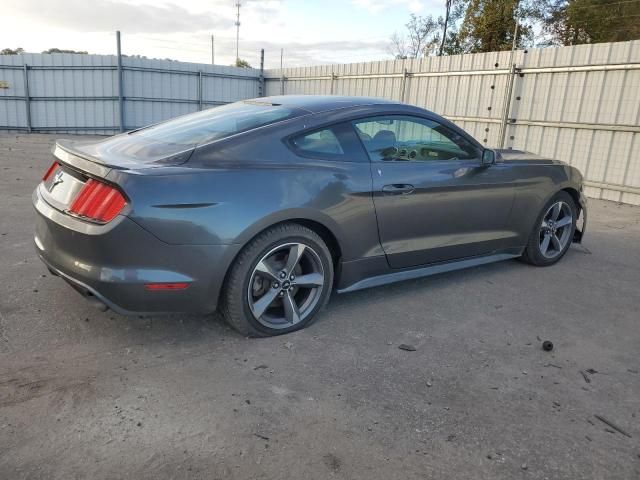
x=263, y=437
x=585, y=376
x=553, y=365
x=612, y=425
x=547, y=346
x=261, y=367
x=408, y=348
x=288, y=345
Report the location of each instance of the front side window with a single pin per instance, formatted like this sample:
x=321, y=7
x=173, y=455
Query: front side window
x=395, y=138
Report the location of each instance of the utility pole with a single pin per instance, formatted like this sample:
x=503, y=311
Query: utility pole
x=213, y=56
x=238, y=5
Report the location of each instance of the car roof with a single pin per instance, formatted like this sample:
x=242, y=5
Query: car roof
x=322, y=103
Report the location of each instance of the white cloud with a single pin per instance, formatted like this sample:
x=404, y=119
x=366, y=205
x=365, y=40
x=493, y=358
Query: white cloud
x=376, y=6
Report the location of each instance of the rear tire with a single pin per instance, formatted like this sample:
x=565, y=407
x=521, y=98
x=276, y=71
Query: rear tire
x=279, y=282
x=553, y=231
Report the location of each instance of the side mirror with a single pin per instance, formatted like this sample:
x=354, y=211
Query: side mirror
x=488, y=157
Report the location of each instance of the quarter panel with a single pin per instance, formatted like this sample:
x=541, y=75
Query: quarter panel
x=226, y=199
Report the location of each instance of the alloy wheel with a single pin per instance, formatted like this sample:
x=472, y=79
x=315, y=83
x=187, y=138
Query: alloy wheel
x=286, y=285
x=555, y=229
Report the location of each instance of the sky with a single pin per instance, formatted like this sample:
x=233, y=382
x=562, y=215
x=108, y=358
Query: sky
x=311, y=32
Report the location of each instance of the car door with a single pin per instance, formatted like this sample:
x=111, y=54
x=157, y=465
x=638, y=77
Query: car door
x=434, y=200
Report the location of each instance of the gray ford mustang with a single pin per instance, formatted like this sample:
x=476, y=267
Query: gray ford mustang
x=259, y=209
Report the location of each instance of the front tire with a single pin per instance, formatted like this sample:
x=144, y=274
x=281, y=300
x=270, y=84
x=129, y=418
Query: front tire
x=279, y=282
x=553, y=232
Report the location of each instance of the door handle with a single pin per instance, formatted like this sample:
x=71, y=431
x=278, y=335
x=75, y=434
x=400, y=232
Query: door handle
x=398, y=189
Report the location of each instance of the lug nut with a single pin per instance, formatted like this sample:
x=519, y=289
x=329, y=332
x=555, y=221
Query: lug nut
x=281, y=294
x=283, y=274
x=292, y=277
x=276, y=285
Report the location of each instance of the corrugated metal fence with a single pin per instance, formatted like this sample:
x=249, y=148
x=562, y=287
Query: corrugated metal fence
x=80, y=93
x=579, y=104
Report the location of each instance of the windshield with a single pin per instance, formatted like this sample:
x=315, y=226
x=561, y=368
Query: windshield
x=166, y=139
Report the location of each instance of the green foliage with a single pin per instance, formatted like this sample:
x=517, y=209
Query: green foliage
x=489, y=25
x=241, y=63
x=59, y=50
x=11, y=51
x=574, y=22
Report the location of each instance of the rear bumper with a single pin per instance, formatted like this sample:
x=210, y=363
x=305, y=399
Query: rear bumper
x=114, y=262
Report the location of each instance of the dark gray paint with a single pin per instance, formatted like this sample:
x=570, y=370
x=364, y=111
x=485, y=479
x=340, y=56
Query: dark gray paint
x=188, y=221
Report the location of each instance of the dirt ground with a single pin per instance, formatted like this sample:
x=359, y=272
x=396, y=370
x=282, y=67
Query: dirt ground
x=96, y=395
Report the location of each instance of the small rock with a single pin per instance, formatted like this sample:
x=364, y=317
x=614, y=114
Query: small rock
x=247, y=401
x=429, y=384
x=260, y=367
x=408, y=348
x=139, y=424
x=524, y=466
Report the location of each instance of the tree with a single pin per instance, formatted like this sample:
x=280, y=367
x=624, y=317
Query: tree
x=58, y=50
x=241, y=63
x=488, y=25
x=12, y=51
x=573, y=22
x=420, y=40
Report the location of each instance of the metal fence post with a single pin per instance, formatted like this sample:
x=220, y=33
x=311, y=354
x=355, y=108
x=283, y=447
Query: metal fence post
x=405, y=75
x=120, y=84
x=333, y=79
x=261, y=77
x=199, y=89
x=27, y=97
x=507, y=105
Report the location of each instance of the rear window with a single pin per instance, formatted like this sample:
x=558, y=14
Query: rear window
x=157, y=142
x=216, y=123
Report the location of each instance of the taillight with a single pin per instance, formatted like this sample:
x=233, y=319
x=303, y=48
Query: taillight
x=98, y=201
x=48, y=173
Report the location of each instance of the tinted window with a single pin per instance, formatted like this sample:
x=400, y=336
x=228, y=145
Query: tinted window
x=188, y=131
x=322, y=142
x=412, y=139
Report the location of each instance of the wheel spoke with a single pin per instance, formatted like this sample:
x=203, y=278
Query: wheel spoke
x=557, y=208
x=310, y=280
x=556, y=242
x=265, y=269
x=295, y=253
x=564, y=221
x=544, y=246
x=264, y=302
x=291, y=311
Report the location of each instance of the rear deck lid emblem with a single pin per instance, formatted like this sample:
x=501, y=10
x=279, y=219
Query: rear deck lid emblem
x=57, y=179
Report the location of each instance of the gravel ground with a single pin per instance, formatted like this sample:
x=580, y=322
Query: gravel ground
x=96, y=395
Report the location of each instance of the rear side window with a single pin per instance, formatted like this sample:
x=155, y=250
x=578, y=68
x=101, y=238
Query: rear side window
x=320, y=143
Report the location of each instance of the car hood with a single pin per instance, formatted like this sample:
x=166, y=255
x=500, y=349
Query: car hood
x=509, y=155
